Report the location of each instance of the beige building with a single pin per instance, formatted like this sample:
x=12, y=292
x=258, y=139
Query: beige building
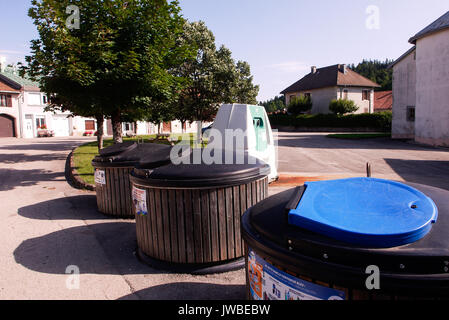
x=334, y=82
x=421, y=87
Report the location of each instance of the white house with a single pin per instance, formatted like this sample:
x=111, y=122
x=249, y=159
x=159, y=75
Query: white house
x=334, y=82
x=421, y=87
x=22, y=111
x=22, y=114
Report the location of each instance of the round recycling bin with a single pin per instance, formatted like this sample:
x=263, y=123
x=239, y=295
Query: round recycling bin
x=112, y=169
x=188, y=215
x=351, y=239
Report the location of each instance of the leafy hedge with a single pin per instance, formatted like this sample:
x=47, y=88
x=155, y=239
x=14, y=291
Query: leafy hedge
x=380, y=121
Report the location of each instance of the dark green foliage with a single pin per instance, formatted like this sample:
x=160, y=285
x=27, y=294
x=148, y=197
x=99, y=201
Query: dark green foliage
x=379, y=121
x=376, y=71
x=275, y=104
x=299, y=105
x=118, y=63
x=342, y=106
x=213, y=77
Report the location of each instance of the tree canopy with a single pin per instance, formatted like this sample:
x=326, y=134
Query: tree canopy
x=376, y=71
x=275, y=104
x=213, y=77
x=118, y=62
x=299, y=105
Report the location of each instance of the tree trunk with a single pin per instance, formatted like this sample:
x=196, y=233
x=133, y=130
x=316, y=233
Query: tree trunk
x=100, y=131
x=159, y=128
x=117, y=127
x=199, y=133
x=182, y=126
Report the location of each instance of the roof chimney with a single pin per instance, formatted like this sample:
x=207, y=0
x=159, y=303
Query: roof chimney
x=313, y=70
x=342, y=68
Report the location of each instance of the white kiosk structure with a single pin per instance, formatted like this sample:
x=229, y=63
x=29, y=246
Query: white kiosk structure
x=258, y=138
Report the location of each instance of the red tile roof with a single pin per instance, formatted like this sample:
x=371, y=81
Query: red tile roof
x=6, y=86
x=383, y=100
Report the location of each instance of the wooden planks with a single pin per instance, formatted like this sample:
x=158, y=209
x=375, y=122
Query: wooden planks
x=193, y=226
x=114, y=198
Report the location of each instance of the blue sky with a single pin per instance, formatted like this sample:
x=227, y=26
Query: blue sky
x=281, y=39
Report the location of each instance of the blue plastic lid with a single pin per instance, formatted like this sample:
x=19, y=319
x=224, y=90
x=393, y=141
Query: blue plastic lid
x=365, y=211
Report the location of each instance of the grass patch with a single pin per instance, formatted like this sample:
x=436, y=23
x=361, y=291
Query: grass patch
x=359, y=136
x=84, y=154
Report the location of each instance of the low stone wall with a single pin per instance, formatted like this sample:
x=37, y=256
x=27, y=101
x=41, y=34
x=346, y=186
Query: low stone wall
x=72, y=176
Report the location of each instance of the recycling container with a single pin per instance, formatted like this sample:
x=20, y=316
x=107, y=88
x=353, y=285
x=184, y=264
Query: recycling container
x=188, y=215
x=112, y=169
x=351, y=239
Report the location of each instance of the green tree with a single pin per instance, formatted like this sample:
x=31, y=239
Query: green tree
x=377, y=71
x=213, y=77
x=299, y=105
x=342, y=106
x=275, y=104
x=120, y=57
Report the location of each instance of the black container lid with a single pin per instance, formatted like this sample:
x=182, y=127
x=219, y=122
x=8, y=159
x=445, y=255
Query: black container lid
x=200, y=174
x=117, y=149
x=129, y=154
x=423, y=264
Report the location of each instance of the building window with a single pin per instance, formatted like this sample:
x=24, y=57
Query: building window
x=292, y=97
x=366, y=95
x=40, y=122
x=345, y=94
x=89, y=125
x=308, y=95
x=127, y=126
x=5, y=100
x=44, y=99
x=411, y=113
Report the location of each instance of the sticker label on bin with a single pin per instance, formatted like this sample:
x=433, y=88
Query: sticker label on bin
x=100, y=177
x=269, y=283
x=140, y=201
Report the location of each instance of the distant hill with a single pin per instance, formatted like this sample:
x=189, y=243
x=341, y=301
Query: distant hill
x=376, y=71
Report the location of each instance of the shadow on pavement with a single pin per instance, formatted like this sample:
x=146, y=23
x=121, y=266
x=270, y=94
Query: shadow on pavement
x=21, y=157
x=429, y=172
x=12, y=178
x=190, y=291
x=83, y=207
x=54, y=146
x=104, y=248
x=320, y=141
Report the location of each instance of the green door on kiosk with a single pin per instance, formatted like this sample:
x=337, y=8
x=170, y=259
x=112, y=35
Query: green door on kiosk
x=260, y=126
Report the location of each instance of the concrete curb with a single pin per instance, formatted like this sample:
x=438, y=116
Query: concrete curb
x=73, y=177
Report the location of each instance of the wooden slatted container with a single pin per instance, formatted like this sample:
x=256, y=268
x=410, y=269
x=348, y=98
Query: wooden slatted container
x=194, y=211
x=306, y=265
x=112, y=169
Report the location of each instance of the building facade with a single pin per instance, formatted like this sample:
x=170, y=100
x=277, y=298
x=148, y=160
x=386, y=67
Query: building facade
x=23, y=115
x=421, y=87
x=330, y=83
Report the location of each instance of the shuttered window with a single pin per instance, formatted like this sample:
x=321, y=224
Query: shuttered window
x=5, y=100
x=366, y=95
x=90, y=124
